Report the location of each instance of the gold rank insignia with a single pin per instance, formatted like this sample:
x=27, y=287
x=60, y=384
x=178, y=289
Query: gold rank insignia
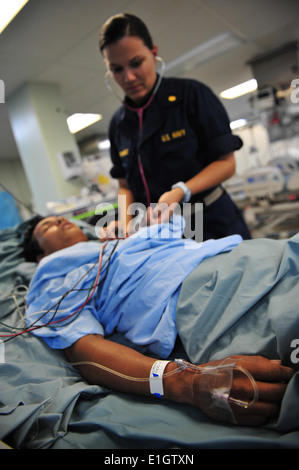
x=124, y=153
x=171, y=98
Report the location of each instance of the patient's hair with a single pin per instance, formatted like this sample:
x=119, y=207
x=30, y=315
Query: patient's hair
x=125, y=24
x=30, y=246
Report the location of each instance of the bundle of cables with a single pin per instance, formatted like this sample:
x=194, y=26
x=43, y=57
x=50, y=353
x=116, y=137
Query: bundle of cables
x=55, y=308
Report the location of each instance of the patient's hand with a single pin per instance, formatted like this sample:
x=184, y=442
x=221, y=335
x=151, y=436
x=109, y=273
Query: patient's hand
x=271, y=379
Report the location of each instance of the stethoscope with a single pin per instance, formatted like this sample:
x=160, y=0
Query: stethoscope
x=140, y=112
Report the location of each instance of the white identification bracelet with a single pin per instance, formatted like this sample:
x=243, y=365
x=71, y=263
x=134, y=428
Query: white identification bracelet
x=156, y=378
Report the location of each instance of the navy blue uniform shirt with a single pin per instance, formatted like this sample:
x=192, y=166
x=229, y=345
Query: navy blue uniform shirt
x=185, y=128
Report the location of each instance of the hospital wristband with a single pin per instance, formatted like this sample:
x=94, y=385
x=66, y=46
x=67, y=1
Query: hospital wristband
x=156, y=378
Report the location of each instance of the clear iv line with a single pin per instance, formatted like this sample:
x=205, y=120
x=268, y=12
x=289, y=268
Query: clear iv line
x=183, y=365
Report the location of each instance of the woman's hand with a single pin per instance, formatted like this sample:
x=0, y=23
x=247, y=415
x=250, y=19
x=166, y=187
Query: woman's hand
x=165, y=207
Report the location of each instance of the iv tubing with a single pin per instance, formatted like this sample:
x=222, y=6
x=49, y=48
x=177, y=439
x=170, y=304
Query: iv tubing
x=183, y=365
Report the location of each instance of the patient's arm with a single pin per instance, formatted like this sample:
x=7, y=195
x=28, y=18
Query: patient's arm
x=184, y=386
x=119, y=358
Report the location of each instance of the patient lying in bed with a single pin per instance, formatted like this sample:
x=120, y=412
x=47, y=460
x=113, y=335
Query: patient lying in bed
x=83, y=291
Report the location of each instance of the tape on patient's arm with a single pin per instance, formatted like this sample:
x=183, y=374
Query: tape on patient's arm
x=2, y=352
x=215, y=387
x=156, y=378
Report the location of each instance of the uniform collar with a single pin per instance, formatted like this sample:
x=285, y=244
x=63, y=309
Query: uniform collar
x=130, y=103
x=167, y=96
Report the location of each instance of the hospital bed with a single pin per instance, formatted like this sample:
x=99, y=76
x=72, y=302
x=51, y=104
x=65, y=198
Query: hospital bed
x=269, y=197
x=45, y=404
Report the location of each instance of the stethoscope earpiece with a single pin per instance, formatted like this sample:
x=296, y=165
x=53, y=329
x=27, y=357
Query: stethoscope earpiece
x=106, y=78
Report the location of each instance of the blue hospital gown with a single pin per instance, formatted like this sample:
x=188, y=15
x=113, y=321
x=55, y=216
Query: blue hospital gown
x=137, y=291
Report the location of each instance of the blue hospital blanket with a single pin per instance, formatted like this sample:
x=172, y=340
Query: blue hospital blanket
x=137, y=292
x=243, y=302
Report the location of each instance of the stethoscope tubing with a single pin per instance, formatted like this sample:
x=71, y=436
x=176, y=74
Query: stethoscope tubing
x=139, y=112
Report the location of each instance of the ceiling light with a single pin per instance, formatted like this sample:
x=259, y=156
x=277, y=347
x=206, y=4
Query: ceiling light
x=8, y=10
x=239, y=90
x=104, y=144
x=79, y=121
x=238, y=123
x=204, y=52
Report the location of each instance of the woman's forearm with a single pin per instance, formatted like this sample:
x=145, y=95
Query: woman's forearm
x=125, y=199
x=213, y=175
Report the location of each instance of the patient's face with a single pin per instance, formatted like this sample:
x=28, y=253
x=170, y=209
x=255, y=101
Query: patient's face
x=56, y=233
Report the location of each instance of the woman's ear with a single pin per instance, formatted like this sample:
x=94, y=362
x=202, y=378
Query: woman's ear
x=155, y=51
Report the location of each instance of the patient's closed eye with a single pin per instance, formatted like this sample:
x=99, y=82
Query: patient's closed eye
x=46, y=225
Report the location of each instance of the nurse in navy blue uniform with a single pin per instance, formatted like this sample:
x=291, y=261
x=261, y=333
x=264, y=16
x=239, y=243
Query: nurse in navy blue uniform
x=171, y=140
